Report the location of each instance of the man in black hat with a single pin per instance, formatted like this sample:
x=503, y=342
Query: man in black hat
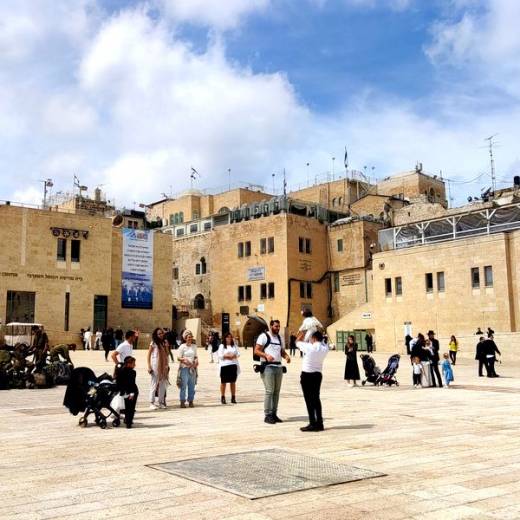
x=434, y=362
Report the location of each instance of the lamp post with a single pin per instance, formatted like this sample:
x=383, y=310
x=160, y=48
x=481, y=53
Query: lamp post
x=47, y=183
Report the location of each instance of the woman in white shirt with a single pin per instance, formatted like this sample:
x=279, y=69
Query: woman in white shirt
x=228, y=355
x=158, y=368
x=187, y=377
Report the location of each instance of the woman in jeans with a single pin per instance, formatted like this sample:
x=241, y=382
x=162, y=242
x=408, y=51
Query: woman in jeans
x=454, y=347
x=158, y=368
x=187, y=356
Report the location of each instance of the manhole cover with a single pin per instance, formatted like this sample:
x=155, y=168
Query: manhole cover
x=258, y=474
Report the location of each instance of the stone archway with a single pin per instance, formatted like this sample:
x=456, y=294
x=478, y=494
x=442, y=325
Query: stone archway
x=253, y=327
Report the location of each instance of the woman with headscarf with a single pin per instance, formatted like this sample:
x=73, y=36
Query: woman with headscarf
x=158, y=368
x=188, y=363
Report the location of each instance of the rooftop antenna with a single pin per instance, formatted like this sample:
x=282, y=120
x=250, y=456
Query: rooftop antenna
x=284, y=184
x=333, y=163
x=345, y=162
x=47, y=183
x=193, y=175
x=272, y=175
x=492, y=160
x=308, y=174
x=229, y=178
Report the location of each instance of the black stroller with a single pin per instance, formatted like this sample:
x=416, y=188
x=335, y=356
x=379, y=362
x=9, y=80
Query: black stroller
x=388, y=376
x=91, y=395
x=372, y=371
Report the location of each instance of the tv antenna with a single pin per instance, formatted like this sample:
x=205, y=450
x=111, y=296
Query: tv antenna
x=492, y=160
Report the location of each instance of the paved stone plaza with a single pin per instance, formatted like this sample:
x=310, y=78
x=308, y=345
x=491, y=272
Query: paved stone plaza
x=446, y=453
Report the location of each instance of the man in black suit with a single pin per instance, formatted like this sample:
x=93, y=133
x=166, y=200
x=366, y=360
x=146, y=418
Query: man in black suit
x=490, y=350
x=126, y=383
x=434, y=366
x=480, y=356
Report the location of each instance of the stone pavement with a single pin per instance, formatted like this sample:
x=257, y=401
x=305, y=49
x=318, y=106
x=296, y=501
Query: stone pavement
x=447, y=454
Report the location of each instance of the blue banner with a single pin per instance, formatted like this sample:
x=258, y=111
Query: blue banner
x=137, y=277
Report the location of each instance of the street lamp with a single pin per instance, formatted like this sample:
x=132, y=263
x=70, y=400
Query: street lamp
x=47, y=183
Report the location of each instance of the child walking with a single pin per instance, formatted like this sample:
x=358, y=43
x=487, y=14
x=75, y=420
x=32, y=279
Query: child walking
x=417, y=370
x=447, y=370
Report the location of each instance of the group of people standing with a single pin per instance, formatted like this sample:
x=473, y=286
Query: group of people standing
x=425, y=359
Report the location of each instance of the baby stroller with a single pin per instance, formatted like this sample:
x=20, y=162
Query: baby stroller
x=388, y=376
x=372, y=372
x=91, y=395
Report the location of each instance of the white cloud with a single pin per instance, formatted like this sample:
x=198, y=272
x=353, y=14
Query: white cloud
x=484, y=39
x=129, y=105
x=221, y=15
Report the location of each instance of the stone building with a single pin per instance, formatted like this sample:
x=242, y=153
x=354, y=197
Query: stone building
x=63, y=269
x=451, y=274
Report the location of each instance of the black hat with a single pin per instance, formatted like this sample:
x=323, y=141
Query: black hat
x=431, y=333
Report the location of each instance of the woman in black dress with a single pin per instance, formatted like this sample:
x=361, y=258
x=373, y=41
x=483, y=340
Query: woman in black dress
x=351, y=365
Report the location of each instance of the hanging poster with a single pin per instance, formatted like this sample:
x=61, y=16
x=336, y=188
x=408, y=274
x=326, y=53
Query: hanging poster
x=137, y=276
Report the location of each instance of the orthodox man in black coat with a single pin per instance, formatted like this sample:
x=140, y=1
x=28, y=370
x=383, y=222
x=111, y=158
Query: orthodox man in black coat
x=128, y=388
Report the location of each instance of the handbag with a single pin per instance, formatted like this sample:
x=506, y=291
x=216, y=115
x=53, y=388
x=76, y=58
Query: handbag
x=118, y=403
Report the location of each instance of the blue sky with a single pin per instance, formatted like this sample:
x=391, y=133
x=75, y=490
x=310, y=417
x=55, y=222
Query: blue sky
x=131, y=94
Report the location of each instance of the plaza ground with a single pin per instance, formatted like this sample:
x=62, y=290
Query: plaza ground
x=446, y=454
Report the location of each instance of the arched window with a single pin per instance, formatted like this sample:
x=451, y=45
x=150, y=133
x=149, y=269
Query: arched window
x=340, y=201
x=198, y=302
x=202, y=265
x=334, y=202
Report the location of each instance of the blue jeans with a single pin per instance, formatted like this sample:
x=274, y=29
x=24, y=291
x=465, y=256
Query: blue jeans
x=187, y=381
x=272, y=378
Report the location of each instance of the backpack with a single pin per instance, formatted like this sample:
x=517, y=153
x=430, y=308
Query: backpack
x=63, y=373
x=267, y=343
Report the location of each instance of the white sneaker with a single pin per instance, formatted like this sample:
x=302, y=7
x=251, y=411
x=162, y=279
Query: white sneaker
x=162, y=406
x=153, y=406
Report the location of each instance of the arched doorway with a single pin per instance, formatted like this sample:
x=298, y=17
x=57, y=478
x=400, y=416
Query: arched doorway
x=198, y=302
x=253, y=327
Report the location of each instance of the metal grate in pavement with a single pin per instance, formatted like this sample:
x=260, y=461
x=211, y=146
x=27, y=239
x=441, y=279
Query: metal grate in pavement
x=264, y=473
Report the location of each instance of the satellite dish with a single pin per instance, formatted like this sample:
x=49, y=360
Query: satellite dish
x=117, y=221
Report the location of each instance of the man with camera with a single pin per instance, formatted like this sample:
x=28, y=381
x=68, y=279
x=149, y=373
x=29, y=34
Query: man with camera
x=270, y=348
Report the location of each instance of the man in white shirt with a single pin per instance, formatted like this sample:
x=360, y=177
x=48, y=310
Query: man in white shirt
x=126, y=348
x=311, y=376
x=87, y=338
x=270, y=347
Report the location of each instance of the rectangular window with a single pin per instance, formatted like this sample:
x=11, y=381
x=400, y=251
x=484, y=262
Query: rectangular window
x=428, y=280
x=475, y=278
x=340, y=245
x=308, y=248
x=398, y=286
x=67, y=311
x=194, y=228
x=207, y=226
x=388, y=287
x=179, y=232
x=488, y=275
x=301, y=245
x=336, y=281
x=240, y=249
x=270, y=245
x=197, y=268
x=20, y=306
x=241, y=293
x=263, y=246
x=309, y=290
x=270, y=290
x=61, y=255
x=248, y=292
x=175, y=273
x=263, y=291
x=302, y=289
x=247, y=251
x=75, y=249
x=441, y=286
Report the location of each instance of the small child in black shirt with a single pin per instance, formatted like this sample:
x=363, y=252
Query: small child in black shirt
x=128, y=388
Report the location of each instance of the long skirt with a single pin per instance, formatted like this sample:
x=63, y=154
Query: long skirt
x=351, y=368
